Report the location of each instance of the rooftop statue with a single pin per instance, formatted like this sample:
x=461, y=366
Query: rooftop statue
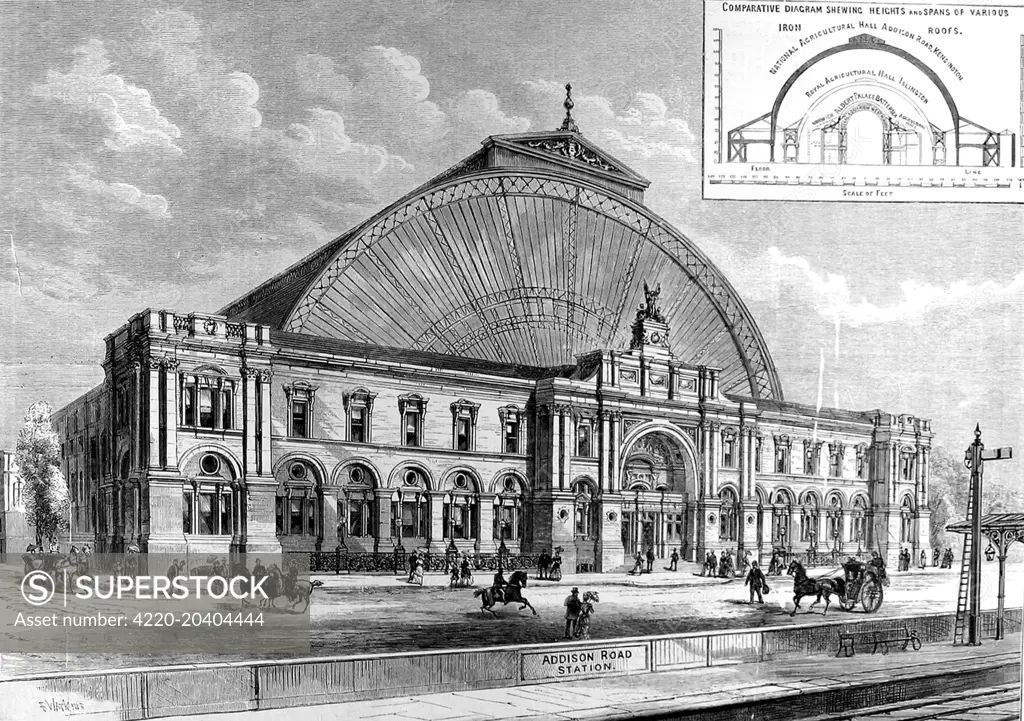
x=650, y=308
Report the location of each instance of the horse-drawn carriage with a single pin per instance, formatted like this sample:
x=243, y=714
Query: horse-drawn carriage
x=860, y=583
x=853, y=583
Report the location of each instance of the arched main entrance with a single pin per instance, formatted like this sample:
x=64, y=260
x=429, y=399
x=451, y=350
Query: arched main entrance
x=658, y=478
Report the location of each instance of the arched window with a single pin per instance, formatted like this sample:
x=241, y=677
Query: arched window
x=461, y=515
x=907, y=521
x=809, y=519
x=508, y=510
x=781, y=513
x=409, y=506
x=298, y=500
x=360, y=503
x=586, y=508
x=834, y=514
x=728, y=516
x=209, y=500
x=857, y=516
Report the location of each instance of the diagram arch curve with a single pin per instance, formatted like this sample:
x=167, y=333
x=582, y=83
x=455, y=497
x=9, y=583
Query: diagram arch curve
x=865, y=42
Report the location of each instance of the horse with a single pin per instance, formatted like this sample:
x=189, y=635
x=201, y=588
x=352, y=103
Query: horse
x=278, y=586
x=512, y=593
x=583, y=622
x=805, y=586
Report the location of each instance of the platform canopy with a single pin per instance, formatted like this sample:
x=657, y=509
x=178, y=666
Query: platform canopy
x=531, y=251
x=1007, y=524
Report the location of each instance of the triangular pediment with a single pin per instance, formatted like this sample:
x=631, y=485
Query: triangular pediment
x=572, y=150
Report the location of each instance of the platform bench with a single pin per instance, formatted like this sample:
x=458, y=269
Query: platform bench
x=878, y=640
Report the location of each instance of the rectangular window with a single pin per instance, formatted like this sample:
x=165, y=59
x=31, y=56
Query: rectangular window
x=188, y=401
x=357, y=428
x=757, y=456
x=300, y=419
x=355, y=519
x=837, y=466
x=583, y=440
x=206, y=408
x=411, y=430
x=311, y=516
x=206, y=519
x=186, y=512
x=226, y=408
x=409, y=519
x=463, y=429
x=226, y=525
x=512, y=437
x=729, y=452
x=781, y=461
x=295, y=517
x=279, y=514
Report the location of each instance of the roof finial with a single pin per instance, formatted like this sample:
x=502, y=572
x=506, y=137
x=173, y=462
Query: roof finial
x=569, y=125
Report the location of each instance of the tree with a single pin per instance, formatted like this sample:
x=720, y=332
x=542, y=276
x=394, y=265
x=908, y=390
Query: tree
x=949, y=491
x=44, y=490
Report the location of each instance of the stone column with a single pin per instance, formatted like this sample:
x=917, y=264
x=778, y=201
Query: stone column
x=705, y=479
x=556, y=446
x=250, y=429
x=383, y=541
x=329, y=518
x=615, y=484
x=265, y=459
x=134, y=413
x=166, y=534
x=260, y=516
x=170, y=453
x=716, y=449
x=486, y=542
x=155, y=418
x=604, y=454
x=610, y=554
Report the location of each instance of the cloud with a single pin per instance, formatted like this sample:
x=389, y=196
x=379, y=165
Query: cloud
x=641, y=131
x=317, y=76
x=220, y=100
x=120, y=196
x=476, y=114
x=127, y=111
x=832, y=297
x=321, y=146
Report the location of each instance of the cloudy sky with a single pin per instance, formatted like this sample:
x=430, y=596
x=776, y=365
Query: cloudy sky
x=175, y=155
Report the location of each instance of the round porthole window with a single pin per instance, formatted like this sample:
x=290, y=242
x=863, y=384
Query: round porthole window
x=412, y=478
x=750, y=520
x=209, y=464
x=298, y=471
x=357, y=475
x=563, y=515
x=612, y=516
x=711, y=519
x=510, y=484
x=461, y=481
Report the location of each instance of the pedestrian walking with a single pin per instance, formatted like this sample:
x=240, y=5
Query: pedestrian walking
x=757, y=582
x=650, y=560
x=638, y=565
x=935, y=557
x=713, y=565
x=573, y=606
x=675, y=560
x=413, y=558
x=924, y=560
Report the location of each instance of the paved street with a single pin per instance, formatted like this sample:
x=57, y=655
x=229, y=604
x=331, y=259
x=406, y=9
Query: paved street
x=353, y=615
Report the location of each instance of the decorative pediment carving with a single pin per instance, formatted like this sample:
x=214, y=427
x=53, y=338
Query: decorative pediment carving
x=573, y=149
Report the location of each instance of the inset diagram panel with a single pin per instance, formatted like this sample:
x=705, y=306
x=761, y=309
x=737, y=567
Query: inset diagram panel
x=863, y=101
